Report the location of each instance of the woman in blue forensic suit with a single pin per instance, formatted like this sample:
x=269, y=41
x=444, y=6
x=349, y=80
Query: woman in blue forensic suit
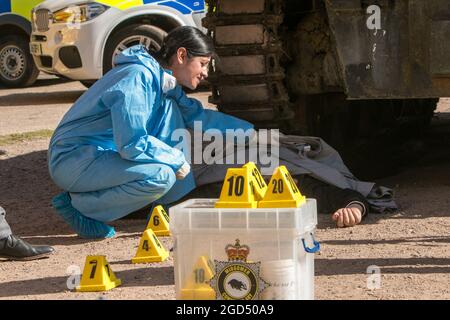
x=112, y=151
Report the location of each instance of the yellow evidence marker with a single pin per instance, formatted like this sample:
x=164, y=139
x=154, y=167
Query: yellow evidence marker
x=97, y=275
x=282, y=191
x=150, y=249
x=159, y=222
x=197, y=287
x=258, y=183
x=238, y=189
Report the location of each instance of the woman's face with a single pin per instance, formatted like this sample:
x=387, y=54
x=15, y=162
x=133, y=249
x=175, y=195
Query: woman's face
x=189, y=71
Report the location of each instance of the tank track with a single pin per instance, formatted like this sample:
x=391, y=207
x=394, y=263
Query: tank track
x=247, y=79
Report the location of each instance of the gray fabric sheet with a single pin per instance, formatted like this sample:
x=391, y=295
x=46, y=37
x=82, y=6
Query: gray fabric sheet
x=312, y=156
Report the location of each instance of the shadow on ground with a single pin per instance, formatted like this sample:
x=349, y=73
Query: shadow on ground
x=26, y=191
x=332, y=267
x=150, y=277
x=40, y=98
x=413, y=240
x=42, y=82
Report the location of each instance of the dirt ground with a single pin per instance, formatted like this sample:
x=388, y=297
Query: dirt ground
x=411, y=247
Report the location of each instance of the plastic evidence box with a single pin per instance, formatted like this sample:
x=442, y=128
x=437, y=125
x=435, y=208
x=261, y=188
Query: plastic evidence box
x=245, y=254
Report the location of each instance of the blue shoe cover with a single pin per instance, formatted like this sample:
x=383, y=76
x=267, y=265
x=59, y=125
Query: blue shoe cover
x=85, y=227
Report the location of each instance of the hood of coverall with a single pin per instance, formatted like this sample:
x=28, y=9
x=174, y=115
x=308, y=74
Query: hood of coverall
x=139, y=55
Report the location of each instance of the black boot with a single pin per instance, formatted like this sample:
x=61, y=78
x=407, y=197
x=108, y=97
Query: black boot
x=13, y=248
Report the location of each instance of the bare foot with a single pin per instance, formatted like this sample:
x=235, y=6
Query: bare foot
x=347, y=217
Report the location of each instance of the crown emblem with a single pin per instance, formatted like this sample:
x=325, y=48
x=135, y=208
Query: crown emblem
x=237, y=252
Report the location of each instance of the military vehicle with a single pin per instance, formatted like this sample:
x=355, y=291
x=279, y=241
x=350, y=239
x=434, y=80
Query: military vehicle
x=364, y=75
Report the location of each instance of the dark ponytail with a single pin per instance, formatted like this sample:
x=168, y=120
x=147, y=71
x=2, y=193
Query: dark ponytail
x=196, y=43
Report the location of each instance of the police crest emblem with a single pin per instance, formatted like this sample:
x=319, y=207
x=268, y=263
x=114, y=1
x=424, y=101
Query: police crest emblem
x=237, y=279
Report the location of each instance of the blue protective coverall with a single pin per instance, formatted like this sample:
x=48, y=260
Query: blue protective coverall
x=112, y=150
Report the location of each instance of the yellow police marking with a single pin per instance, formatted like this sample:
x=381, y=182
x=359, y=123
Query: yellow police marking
x=97, y=275
x=159, y=222
x=122, y=4
x=259, y=185
x=197, y=287
x=237, y=190
x=23, y=7
x=150, y=249
x=282, y=191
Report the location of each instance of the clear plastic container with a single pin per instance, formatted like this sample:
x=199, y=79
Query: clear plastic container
x=265, y=254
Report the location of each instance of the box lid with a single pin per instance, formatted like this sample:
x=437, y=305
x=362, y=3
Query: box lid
x=200, y=215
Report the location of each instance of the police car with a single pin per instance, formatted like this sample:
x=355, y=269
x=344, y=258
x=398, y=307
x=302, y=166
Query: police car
x=17, y=68
x=79, y=39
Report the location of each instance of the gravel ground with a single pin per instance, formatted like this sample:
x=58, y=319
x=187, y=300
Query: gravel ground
x=411, y=246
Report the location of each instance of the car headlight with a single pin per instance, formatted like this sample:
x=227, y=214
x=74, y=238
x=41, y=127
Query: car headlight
x=79, y=13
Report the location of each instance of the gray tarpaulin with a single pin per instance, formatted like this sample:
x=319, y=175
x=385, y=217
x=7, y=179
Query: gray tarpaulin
x=313, y=156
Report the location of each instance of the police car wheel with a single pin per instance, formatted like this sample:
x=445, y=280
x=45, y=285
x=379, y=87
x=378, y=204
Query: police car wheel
x=17, y=68
x=149, y=36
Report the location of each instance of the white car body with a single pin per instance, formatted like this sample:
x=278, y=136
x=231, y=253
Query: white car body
x=90, y=37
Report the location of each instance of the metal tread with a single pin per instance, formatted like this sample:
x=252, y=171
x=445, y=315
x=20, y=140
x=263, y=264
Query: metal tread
x=244, y=19
x=244, y=79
